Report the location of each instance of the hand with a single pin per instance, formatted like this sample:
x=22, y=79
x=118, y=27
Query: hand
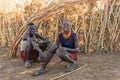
x=33, y=40
x=30, y=40
x=66, y=49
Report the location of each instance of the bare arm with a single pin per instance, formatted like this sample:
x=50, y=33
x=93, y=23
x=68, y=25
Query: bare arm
x=55, y=46
x=43, y=38
x=57, y=42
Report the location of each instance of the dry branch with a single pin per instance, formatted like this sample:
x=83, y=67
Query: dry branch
x=55, y=78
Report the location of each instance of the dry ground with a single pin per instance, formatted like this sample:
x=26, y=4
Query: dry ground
x=99, y=67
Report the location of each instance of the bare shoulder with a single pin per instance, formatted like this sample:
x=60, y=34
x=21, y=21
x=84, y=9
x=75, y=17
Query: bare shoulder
x=25, y=36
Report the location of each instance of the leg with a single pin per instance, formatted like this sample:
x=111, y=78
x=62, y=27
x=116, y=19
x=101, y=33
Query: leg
x=66, y=57
x=43, y=45
x=50, y=54
x=42, y=56
x=28, y=52
x=35, y=56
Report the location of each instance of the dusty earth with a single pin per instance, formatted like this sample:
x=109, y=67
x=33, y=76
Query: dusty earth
x=99, y=67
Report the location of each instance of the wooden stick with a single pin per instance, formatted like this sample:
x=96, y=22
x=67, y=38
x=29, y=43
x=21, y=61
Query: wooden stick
x=68, y=73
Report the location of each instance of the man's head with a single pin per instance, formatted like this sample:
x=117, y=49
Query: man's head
x=66, y=26
x=31, y=28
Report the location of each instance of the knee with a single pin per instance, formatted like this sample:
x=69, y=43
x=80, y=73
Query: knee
x=43, y=46
x=45, y=43
x=59, y=53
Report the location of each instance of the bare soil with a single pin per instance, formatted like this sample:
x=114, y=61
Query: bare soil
x=99, y=67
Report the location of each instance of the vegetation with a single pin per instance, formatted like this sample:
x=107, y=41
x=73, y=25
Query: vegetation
x=97, y=23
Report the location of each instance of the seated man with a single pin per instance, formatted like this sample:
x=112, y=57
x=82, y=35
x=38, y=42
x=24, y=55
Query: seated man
x=30, y=47
x=68, y=50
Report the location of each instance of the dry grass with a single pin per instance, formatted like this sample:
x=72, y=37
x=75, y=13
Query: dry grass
x=98, y=29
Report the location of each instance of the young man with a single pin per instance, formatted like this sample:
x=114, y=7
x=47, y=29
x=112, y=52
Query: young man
x=67, y=52
x=30, y=47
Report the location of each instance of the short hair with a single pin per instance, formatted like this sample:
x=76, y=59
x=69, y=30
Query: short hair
x=68, y=21
x=31, y=24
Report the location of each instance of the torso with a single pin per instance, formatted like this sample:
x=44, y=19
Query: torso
x=69, y=42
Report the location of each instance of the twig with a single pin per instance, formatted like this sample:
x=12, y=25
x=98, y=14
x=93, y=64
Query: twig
x=68, y=73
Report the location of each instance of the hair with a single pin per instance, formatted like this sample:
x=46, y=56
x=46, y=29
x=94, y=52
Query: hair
x=68, y=21
x=30, y=24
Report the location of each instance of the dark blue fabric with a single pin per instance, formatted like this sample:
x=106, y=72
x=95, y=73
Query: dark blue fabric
x=70, y=43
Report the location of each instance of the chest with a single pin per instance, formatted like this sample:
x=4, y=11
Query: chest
x=67, y=42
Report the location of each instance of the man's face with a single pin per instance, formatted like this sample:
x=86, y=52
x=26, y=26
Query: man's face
x=31, y=29
x=66, y=26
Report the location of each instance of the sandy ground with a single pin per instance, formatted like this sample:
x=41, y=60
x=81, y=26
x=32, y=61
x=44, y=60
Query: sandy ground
x=99, y=67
